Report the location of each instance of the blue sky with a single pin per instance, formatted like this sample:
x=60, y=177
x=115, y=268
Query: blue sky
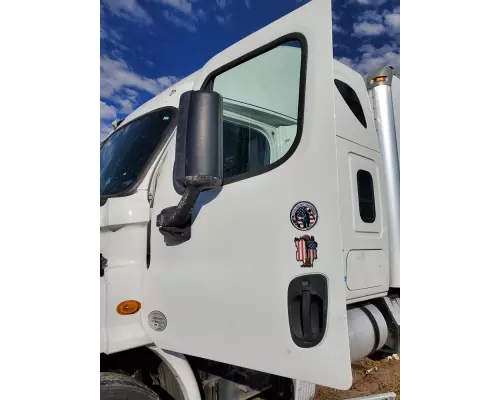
x=147, y=45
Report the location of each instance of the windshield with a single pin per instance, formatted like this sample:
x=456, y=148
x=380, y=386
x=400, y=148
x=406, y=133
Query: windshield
x=125, y=154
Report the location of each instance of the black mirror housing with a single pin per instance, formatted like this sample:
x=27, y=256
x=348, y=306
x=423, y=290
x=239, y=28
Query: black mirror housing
x=198, y=159
x=198, y=152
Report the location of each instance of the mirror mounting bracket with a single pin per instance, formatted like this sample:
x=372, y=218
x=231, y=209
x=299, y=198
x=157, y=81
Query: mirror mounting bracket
x=175, y=222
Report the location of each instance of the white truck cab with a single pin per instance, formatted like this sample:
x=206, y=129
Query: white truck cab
x=245, y=221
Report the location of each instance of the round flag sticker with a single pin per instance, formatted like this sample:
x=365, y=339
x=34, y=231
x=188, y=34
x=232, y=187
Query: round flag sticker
x=304, y=216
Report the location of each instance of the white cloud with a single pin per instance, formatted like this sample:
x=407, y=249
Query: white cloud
x=392, y=20
x=373, y=23
x=117, y=75
x=389, y=18
x=371, y=49
x=199, y=14
x=128, y=9
x=373, y=58
x=126, y=105
x=223, y=20
x=180, y=22
x=248, y=4
x=368, y=29
x=104, y=35
x=131, y=93
x=370, y=63
x=184, y=6
x=341, y=46
x=337, y=28
x=371, y=16
x=107, y=111
x=108, y=115
x=119, y=90
x=188, y=17
x=371, y=2
x=127, y=100
x=167, y=81
x=112, y=36
x=223, y=3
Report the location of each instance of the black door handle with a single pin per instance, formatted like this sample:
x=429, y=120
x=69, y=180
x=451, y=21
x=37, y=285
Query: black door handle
x=307, y=309
x=305, y=318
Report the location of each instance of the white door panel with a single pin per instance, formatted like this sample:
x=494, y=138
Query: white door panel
x=224, y=291
x=366, y=246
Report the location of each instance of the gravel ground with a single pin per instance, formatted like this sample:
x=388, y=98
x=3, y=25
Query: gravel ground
x=369, y=377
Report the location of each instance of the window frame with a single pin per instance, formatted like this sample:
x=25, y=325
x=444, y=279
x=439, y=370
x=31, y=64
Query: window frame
x=208, y=85
x=167, y=133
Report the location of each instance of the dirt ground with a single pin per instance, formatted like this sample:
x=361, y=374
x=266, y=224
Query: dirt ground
x=369, y=377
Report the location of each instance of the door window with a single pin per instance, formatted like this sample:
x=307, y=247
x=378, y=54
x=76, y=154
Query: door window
x=261, y=110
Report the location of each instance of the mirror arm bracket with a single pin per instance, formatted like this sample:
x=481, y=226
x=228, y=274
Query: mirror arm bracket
x=178, y=215
x=176, y=221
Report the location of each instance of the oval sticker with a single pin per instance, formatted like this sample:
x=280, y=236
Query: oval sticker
x=157, y=320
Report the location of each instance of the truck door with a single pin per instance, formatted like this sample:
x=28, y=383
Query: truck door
x=260, y=282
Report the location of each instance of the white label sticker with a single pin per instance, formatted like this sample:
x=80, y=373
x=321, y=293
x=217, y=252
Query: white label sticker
x=157, y=320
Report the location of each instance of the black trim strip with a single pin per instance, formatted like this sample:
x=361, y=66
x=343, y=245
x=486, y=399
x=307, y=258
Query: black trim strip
x=104, y=264
x=208, y=85
x=376, y=331
x=166, y=135
x=148, y=245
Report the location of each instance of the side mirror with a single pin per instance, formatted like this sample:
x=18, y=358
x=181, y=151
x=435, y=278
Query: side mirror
x=198, y=158
x=198, y=151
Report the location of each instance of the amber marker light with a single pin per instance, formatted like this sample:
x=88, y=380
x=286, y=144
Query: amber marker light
x=128, y=307
x=379, y=79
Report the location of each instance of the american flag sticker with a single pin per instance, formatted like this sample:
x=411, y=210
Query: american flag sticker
x=304, y=216
x=306, y=250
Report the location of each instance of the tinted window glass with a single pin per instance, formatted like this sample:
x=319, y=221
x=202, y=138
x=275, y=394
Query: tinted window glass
x=261, y=93
x=245, y=149
x=352, y=100
x=366, y=196
x=125, y=154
